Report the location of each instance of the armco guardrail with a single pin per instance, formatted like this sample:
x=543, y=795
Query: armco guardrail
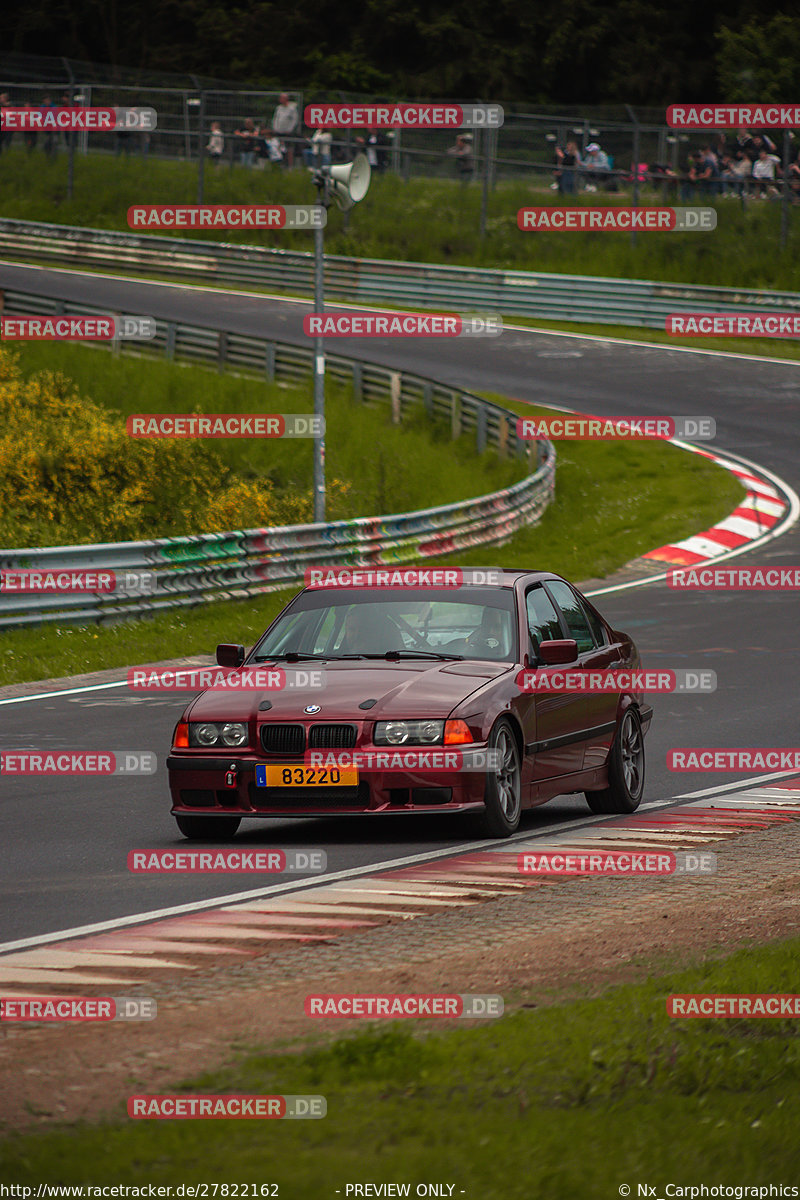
x=378, y=281
x=188, y=571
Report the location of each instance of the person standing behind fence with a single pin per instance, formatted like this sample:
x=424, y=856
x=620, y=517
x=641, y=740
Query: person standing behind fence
x=286, y=125
x=569, y=160
x=248, y=136
x=216, y=143
x=321, y=142
x=765, y=169
x=462, y=152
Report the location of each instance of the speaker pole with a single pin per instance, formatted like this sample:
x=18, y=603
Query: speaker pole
x=319, y=360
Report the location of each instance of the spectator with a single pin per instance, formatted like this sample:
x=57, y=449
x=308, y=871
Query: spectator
x=263, y=133
x=378, y=142
x=703, y=175
x=744, y=144
x=569, y=160
x=462, y=152
x=765, y=169
x=248, y=136
x=662, y=174
x=5, y=134
x=276, y=150
x=736, y=170
x=318, y=151
x=216, y=143
x=286, y=124
x=596, y=167
x=763, y=141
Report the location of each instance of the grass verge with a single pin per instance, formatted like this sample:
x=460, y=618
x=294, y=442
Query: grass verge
x=576, y=1098
x=613, y=501
x=419, y=220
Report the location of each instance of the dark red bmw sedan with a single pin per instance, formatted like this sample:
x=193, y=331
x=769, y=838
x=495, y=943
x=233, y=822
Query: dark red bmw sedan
x=415, y=699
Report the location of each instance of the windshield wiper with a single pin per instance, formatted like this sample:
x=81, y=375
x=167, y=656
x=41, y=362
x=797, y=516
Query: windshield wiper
x=295, y=656
x=390, y=654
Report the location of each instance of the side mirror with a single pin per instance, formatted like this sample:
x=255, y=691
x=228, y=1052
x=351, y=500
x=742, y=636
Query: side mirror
x=556, y=652
x=230, y=656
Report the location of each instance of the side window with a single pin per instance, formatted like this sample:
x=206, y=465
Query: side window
x=596, y=626
x=574, y=615
x=543, y=622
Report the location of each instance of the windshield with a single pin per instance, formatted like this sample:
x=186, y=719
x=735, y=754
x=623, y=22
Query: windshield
x=427, y=623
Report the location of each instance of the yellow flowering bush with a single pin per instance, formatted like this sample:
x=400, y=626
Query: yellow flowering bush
x=69, y=472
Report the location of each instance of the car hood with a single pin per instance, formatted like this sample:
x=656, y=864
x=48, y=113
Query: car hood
x=402, y=689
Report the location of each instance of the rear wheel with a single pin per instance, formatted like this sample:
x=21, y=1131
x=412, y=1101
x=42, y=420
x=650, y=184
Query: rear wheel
x=504, y=784
x=208, y=829
x=625, y=769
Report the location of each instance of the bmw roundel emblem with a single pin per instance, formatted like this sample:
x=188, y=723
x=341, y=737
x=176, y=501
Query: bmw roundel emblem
x=311, y=708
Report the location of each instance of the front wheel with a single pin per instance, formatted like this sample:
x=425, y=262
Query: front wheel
x=625, y=769
x=208, y=829
x=503, y=784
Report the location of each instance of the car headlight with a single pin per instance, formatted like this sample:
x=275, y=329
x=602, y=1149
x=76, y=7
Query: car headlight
x=408, y=733
x=207, y=733
x=234, y=733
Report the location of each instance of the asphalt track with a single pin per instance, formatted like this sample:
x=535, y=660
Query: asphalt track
x=64, y=844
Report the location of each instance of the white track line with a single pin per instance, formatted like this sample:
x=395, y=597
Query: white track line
x=306, y=886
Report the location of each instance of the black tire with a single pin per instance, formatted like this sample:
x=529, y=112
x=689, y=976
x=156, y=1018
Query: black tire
x=503, y=786
x=626, y=769
x=208, y=829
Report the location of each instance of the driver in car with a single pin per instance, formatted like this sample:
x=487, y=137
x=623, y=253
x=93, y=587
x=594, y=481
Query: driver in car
x=367, y=630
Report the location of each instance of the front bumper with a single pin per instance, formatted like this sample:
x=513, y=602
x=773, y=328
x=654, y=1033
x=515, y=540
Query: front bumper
x=201, y=784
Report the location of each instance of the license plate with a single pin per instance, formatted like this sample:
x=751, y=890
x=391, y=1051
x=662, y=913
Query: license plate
x=283, y=775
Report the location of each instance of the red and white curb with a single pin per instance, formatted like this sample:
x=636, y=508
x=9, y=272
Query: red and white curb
x=177, y=945
x=763, y=508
